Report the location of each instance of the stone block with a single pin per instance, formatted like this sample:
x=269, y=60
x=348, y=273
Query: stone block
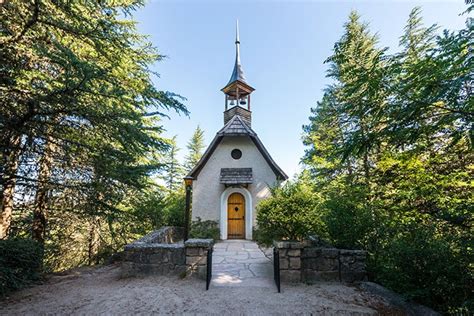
x=202, y=272
x=288, y=244
x=290, y=276
x=203, y=243
x=311, y=276
x=352, y=265
x=194, y=251
x=132, y=256
x=330, y=253
x=190, y=261
x=294, y=252
x=159, y=257
x=284, y=264
x=281, y=244
x=311, y=252
x=346, y=252
x=177, y=256
x=295, y=263
x=297, y=245
x=320, y=264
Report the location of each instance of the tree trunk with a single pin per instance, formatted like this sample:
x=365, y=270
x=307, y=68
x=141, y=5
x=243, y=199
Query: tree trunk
x=94, y=240
x=38, y=228
x=10, y=161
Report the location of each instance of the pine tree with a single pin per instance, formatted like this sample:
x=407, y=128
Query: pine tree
x=358, y=68
x=195, y=148
x=174, y=172
x=403, y=125
x=324, y=138
x=79, y=119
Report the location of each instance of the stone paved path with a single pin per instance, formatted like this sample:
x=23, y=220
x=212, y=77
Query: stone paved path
x=241, y=263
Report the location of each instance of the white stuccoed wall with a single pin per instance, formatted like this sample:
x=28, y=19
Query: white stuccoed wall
x=207, y=189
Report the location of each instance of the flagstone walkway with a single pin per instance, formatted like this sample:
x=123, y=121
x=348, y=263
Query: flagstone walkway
x=241, y=263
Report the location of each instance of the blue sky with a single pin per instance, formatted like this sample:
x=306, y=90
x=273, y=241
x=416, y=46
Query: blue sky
x=283, y=48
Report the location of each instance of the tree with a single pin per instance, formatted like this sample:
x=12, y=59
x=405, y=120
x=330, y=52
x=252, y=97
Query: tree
x=195, y=147
x=79, y=119
x=389, y=151
x=324, y=139
x=357, y=66
x=173, y=172
x=433, y=87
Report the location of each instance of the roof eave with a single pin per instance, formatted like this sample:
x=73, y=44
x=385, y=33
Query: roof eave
x=249, y=87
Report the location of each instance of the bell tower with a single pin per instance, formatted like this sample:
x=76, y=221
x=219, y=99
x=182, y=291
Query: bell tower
x=237, y=91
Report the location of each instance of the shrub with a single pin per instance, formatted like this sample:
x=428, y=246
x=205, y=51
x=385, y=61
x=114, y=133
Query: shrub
x=20, y=263
x=174, y=207
x=291, y=213
x=426, y=267
x=204, y=229
x=349, y=218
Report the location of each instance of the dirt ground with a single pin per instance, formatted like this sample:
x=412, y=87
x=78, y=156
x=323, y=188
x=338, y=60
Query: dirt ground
x=100, y=290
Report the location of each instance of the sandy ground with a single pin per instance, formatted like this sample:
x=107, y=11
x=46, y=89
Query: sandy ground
x=100, y=290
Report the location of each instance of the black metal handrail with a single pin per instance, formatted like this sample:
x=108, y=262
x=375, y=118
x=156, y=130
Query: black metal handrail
x=209, y=268
x=276, y=268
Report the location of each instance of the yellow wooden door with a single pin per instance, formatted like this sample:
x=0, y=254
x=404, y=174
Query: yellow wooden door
x=236, y=216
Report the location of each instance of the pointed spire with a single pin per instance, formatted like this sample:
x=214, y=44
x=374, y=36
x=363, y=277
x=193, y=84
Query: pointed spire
x=238, y=73
x=237, y=40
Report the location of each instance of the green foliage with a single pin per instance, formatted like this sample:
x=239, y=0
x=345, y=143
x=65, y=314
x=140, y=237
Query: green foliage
x=204, y=229
x=195, y=147
x=20, y=264
x=348, y=218
x=80, y=124
x=424, y=265
x=173, y=171
x=291, y=213
x=389, y=156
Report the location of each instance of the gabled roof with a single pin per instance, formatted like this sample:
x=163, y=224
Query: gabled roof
x=236, y=127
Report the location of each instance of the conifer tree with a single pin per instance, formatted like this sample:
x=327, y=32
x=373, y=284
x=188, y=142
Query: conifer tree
x=357, y=66
x=174, y=172
x=403, y=124
x=79, y=119
x=195, y=148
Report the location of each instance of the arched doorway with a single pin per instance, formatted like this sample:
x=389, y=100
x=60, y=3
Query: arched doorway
x=236, y=216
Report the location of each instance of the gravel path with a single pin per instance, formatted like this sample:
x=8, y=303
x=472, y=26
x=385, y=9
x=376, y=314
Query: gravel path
x=100, y=290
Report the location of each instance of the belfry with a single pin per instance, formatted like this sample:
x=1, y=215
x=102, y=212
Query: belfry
x=236, y=171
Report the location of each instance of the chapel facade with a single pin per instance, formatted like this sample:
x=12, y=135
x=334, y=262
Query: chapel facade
x=236, y=171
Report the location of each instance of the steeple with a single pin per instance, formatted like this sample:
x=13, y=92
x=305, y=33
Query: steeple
x=237, y=91
x=238, y=73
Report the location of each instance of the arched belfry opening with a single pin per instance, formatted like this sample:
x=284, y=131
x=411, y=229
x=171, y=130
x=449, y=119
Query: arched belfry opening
x=237, y=91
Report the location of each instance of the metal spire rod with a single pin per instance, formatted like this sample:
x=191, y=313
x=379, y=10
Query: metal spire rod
x=238, y=73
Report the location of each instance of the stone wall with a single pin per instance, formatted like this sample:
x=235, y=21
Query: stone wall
x=290, y=260
x=164, y=235
x=304, y=262
x=163, y=252
x=157, y=259
x=196, y=256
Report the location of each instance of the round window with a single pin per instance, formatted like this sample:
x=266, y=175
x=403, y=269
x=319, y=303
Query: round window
x=236, y=154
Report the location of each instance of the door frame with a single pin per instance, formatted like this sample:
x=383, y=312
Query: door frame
x=248, y=211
